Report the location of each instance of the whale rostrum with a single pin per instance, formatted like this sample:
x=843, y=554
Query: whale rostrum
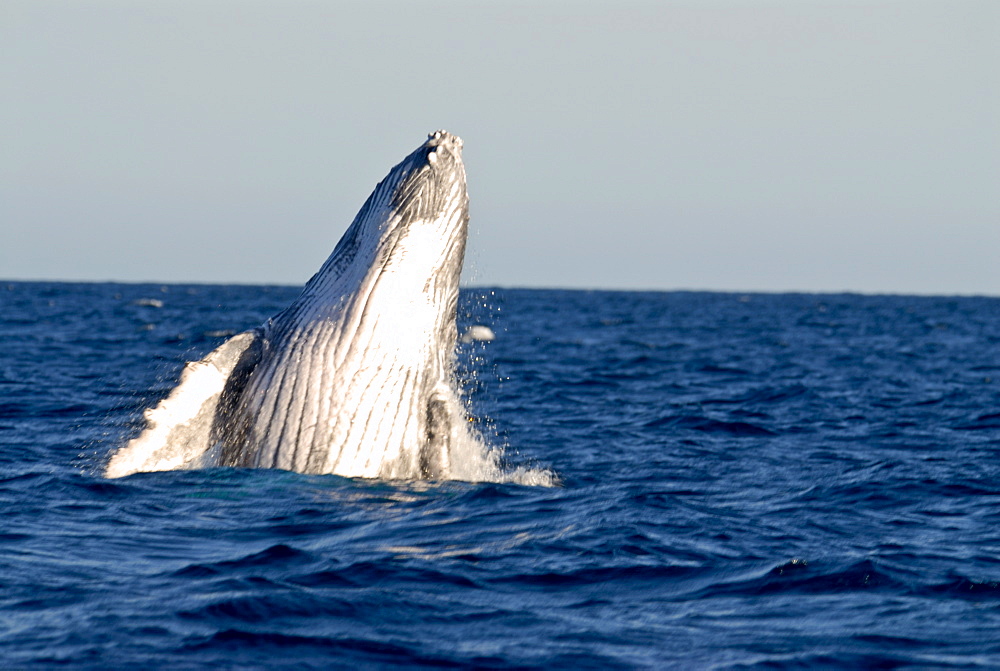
x=357, y=376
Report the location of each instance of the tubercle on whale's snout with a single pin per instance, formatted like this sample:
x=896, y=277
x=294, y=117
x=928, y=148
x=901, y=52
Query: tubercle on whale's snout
x=443, y=137
x=443, y=141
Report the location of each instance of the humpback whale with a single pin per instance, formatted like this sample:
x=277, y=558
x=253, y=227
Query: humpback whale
x=357, y=376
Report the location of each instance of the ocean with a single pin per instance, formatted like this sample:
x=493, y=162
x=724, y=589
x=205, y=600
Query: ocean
x=742, y=481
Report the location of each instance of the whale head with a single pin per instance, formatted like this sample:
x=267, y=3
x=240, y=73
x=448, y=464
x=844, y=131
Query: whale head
x=410, y=234
x=356, y=377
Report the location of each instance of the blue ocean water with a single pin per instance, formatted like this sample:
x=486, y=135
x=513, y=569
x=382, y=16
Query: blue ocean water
x=746, y=481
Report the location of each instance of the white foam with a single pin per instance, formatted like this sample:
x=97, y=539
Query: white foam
x=178, y=429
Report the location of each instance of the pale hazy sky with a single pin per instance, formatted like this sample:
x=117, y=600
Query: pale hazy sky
x=815, y=145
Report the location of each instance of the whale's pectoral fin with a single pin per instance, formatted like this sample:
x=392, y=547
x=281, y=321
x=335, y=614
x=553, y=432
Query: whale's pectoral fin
x=178, y=430
x=229, y=433
x=435, y=452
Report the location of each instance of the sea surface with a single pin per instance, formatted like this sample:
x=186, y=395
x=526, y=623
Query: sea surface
x=744, y=481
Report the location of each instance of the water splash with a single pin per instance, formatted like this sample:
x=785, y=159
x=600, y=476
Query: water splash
x=179, y=429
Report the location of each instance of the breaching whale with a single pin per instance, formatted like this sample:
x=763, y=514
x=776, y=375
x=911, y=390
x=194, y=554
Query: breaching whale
x=357, y=376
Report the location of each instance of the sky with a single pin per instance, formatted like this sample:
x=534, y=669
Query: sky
x=738, y=145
